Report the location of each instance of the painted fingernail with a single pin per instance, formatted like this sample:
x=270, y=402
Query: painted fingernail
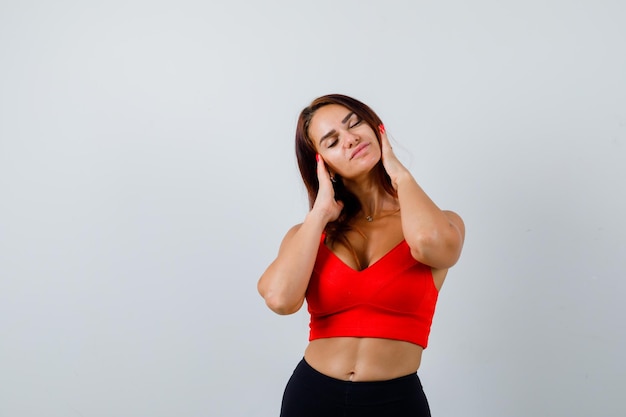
x=317, y=157
x=381, y=128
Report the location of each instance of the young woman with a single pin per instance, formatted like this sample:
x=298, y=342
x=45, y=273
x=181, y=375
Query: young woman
x=369, y=258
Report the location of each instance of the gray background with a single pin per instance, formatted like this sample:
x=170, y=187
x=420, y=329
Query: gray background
x=147, y=176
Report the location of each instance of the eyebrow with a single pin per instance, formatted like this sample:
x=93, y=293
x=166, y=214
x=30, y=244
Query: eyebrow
x=333, y=132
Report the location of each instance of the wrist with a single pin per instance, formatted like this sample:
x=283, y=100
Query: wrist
x=317, y=217
x=401, y=178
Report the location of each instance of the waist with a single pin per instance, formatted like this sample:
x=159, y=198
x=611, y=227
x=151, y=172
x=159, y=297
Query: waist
x=363, y=358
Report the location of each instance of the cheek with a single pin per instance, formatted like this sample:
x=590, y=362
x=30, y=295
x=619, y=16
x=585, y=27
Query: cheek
x=332, y=159
x=377, y=144
x=378, y=149
x=330, y=154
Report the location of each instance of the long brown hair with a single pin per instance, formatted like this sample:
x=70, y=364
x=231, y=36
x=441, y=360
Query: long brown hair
x=305, y=153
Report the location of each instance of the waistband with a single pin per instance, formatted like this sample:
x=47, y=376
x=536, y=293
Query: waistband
x=360, y=391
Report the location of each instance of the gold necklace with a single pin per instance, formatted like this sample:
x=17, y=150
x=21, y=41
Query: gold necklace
x=370, y=218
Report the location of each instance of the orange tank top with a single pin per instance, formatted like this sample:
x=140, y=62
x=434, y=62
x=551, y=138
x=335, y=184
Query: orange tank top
x=394, y=298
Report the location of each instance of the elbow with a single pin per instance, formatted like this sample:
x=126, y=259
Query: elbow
x=281, y=306
x=279, y=303
x=439, y=247
x=422, y=246
x=434, y=250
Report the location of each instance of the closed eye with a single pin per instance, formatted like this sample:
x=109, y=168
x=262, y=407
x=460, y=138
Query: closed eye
x=355, y=122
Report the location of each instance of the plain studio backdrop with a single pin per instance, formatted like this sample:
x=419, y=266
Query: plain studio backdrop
x=148, y=175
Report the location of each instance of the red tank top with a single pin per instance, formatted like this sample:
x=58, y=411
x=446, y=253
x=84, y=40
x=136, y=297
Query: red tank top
x=394, y=298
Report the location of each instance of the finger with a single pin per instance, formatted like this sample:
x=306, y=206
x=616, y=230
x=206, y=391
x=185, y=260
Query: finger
x=320, y=165
x=323, y=176
x=384, y=139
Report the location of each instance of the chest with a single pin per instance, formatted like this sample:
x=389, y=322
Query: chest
x=366, y=244
x=395, y=282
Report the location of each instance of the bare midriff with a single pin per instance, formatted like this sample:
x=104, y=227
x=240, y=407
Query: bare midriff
x=363, y=359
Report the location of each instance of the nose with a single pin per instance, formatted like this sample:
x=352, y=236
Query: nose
x=350, y=139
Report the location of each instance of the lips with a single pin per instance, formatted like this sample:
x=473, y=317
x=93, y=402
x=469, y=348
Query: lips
x=359, y=149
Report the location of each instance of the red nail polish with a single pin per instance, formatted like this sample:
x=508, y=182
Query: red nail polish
x=381, y=128
x=317, y=157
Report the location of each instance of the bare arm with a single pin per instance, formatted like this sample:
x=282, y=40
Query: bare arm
x=283, y=284
x=435, y=236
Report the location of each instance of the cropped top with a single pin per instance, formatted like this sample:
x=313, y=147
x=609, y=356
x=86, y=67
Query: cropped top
x=394, y=298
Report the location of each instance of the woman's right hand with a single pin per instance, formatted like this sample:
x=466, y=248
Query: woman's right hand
x=283, y=284
x=325, y=204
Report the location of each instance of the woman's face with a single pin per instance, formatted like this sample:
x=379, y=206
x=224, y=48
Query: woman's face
x=348, y=144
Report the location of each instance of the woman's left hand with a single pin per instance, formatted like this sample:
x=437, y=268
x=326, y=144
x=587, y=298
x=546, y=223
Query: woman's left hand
x=392, y=164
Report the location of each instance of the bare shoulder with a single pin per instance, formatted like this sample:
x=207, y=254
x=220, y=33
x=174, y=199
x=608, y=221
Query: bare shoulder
x=439, y=276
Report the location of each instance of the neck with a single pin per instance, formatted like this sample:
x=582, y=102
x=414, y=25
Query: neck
x=373, y=198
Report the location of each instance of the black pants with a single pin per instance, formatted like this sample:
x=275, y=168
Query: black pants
x=310, y=393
